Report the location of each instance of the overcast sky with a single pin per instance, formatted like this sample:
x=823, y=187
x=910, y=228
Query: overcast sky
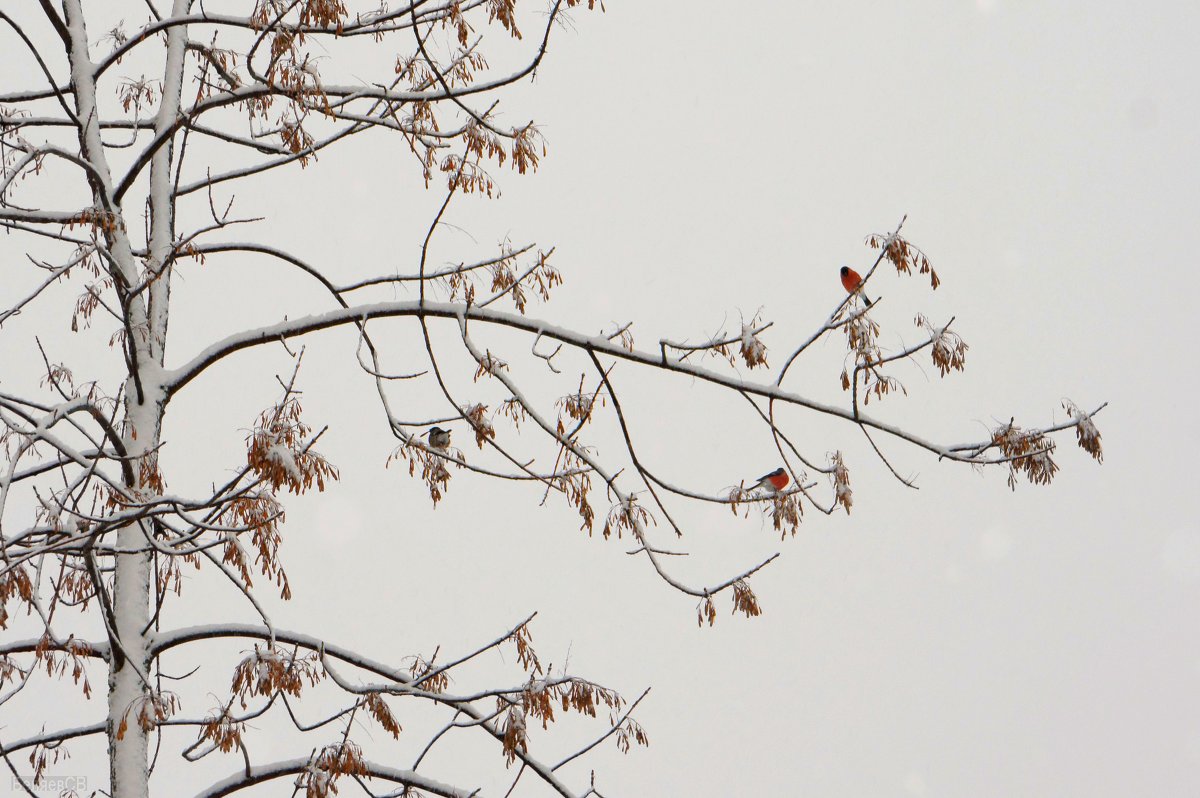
x=709, y=162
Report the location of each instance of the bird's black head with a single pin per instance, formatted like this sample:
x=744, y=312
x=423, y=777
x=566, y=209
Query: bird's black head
x=844, y=271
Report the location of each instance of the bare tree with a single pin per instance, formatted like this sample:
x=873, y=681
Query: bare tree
x=92, y=535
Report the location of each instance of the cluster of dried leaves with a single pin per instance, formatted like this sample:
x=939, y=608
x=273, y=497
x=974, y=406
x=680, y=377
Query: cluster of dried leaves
x=839, y=475
x=1086, y=433
x=629, y=516
x=506, y=280
x=136, y=93
x=579, y=406
x=786, y=513
x=291, y=69
x=223, y=731
x=153, y=709
x=523, y=642
x=72, y=657
x=744, y=601
x=489, y=365
x=1030, y=452
x=378, y=709
x=75, y=587
x=476, y=416
x=540, y=697
x=267, y=671
x=426, y=676
x=279, y=450
x=862, y=338
x=508, y=277
x=42, y=756
x=575, y=482
x=753, y=350
x=948, y=349
x=261, y=514
x=624, y=336
x=14, y=582
x=10, y=671
x=904, y=256
x=514, y=411
x=1027, y=451
x=279, y=453
x=335, y=760
x=98, y=220
x=747, y=343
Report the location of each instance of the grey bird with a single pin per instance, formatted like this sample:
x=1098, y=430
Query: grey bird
x=439, y=438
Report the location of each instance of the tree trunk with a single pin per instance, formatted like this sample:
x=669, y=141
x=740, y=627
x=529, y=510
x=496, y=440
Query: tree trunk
x=131, y=708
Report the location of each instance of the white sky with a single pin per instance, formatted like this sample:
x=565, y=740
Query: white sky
x=957, y=640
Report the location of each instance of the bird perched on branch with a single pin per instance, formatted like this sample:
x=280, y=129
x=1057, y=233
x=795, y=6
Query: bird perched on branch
x=439, y=438
x=852, y=282
x=776, y=481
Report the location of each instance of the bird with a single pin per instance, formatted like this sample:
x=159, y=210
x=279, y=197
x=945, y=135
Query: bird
x=439, y=438
x=777, y=480
x=852, y=282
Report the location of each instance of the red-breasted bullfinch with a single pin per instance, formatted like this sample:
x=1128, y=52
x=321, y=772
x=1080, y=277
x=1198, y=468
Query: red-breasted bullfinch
x=852, y=282
x=777, y=480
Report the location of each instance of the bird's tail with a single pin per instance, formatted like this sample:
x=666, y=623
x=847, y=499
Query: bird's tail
x=864, y=296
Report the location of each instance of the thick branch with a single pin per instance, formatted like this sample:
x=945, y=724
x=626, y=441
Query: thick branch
x=251, y=776
x=176, y=379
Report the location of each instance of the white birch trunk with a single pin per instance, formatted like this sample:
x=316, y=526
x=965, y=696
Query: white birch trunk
x=128, y=683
